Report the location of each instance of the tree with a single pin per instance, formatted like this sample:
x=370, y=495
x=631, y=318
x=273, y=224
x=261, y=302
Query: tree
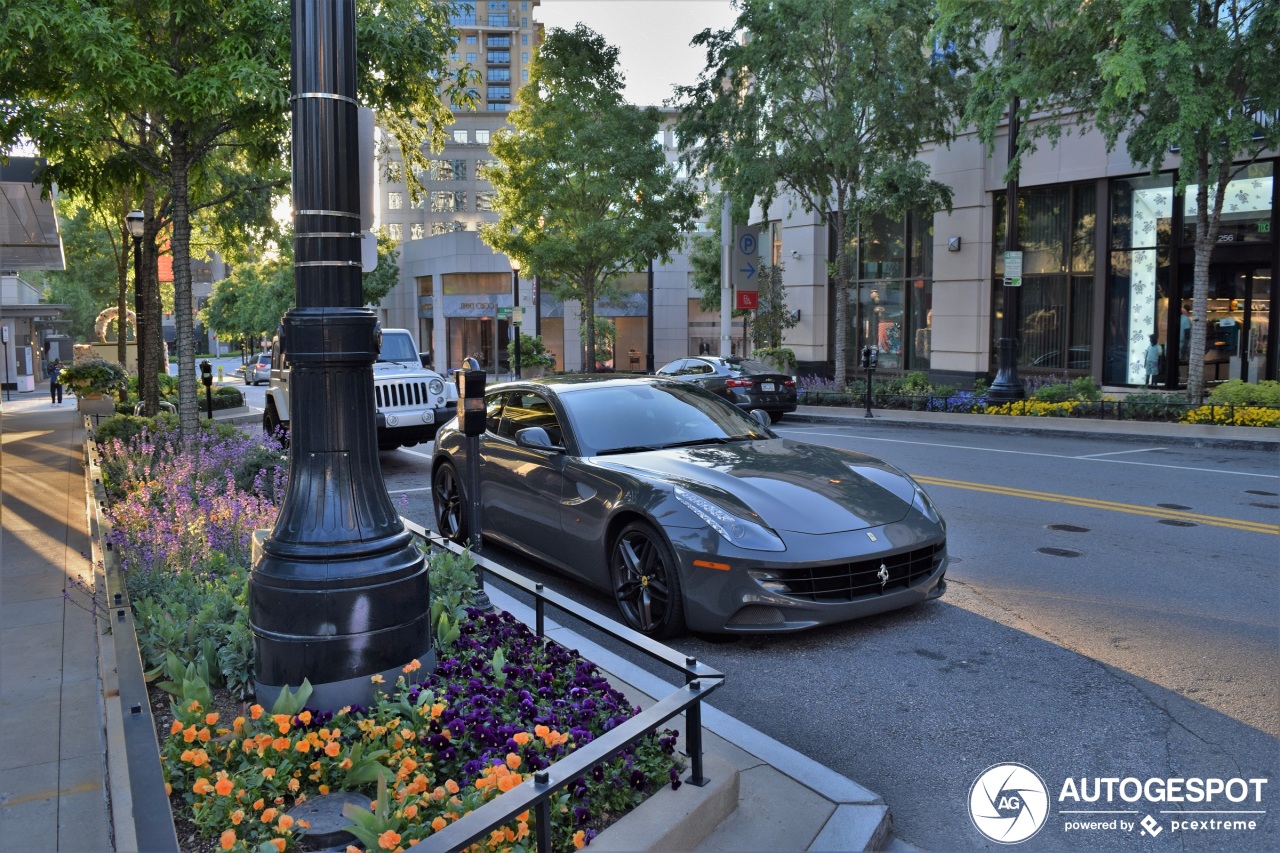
x=772, y=318
x=183, y=88
x=830, y=101
x=249, y=302
x=1200, y=77
x=583, y=192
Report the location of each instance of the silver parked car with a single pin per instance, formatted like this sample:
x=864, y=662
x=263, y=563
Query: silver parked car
x=692, y=512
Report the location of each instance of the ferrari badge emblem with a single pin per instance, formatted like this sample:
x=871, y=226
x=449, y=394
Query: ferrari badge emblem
x=883, y=574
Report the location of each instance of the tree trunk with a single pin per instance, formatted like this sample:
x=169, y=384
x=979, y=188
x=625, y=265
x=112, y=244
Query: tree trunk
x=122, y=304
x=152, y=343
x=589, y=319
x=188, y=402
x=1208, y=220
x=840, y=221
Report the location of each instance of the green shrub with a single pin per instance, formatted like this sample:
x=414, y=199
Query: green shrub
x=1154, y=406
x=1058, y=392
x=1240, y=393
x=1086, y=388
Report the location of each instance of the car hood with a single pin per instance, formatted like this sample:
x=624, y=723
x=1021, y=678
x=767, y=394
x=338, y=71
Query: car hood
x=789, y=485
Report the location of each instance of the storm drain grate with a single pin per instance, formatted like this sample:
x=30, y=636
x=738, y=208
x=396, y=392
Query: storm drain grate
x=1059, y=552
x=1177, y=522
x=1172, y=506
x=1264, y=494
x=1265, y=506
x=1068, y=528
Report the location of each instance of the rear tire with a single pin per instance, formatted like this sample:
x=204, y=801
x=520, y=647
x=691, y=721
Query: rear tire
x=271, y=425
x=774, y=417
x=449, y=504
x=646, y=581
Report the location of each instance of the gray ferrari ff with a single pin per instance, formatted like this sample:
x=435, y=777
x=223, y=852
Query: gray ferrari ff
x=693, y=513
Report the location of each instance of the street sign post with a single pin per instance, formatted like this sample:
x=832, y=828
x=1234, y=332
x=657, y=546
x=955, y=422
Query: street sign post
x=744, y=258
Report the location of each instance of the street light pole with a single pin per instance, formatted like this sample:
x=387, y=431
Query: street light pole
x=515, y=313
x=1007, y=385
x=339, y=591
x=137, y=221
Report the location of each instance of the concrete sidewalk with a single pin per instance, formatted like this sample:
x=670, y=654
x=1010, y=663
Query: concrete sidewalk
x=52, y=794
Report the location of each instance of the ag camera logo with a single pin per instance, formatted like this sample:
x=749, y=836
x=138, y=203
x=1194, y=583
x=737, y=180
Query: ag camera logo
x=1008, y=803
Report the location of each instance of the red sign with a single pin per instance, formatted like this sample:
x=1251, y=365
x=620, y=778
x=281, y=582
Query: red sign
x=748, y=300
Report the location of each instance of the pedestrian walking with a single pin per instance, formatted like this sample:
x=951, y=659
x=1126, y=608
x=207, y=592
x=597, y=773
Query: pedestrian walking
x=55, y=383
x=1154, y=360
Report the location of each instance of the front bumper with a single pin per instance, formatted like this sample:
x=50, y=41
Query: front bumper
x=818, y=580
x=410, y=426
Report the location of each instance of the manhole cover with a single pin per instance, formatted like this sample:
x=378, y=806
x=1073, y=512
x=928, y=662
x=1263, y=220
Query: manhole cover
x=1172, y=506
x=1068, y=528
x=1264, y=494
x=1059, y=552
x=1265, y=506
x=1177, y=522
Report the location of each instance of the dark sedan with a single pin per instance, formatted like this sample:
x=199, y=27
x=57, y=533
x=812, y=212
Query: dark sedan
x=745, y=382
x=689, y=510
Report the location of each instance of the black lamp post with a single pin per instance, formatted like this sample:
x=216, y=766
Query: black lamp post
x=339, y=591
x=869, y=357
x=1007, y=385
x=206, y=376
x=137, y=221
x=515, y=312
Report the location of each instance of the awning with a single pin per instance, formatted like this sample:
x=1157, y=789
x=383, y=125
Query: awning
x=29, y=238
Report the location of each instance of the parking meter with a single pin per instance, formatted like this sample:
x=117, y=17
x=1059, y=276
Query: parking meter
x=206, y=376
x=470, y=401
x=869, y=356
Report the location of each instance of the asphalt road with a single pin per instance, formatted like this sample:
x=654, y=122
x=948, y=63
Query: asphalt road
x=1111, y=612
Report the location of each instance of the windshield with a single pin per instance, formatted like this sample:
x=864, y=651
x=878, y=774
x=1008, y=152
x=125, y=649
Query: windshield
x=749, y=366
x=644, y=416
x=397, y=346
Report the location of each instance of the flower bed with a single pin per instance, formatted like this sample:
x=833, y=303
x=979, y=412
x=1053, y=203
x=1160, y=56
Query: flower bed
x=500, y=704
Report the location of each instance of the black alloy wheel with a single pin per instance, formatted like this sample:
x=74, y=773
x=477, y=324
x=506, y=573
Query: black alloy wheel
x=449, y=503
x=646, y=581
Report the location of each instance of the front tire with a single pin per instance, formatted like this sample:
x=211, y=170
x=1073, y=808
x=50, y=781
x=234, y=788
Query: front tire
x=449, y=504
x=646, y=581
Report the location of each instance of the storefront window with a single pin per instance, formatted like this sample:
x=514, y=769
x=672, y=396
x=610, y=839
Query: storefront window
x=1246, y=207
x=891, y=301
x=1138, y=289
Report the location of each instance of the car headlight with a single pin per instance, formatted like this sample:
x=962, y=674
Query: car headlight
x=734, y=528
x=921, y=503
x=437, y=387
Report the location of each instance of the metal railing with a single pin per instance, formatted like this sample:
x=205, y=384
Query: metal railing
x=700, y=681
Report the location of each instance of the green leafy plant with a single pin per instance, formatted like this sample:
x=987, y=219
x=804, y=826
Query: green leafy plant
x=783, y=358
x=94, y=376
x=1240, y=393
x=533, y=352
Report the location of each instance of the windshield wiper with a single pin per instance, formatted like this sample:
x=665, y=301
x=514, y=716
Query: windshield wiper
x=635, y=448
x=710, y=439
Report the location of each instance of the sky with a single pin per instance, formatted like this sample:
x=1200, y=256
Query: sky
x=652, y=37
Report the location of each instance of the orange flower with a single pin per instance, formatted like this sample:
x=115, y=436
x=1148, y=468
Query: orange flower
x=513, y=761
x=324, y=789
x=255, y=711
x=189, y=734
x=541, y=731
x=506, y=783
x=237, y=816
x=521, y=738
x=224, y=787
x=413, y=666
x=176, y=727
x=194, y=706
x=378, y=679
x=410, y=812
x=451, y=786
x=437, y=709
x=438, y=824
x=579, y=840
x=294, y=785
x=279, y=843
x=228, y=839
x=270, y=815
x=282, y=720
x=389, y=840
x=199, y=758
x=258, y=804
x=239, y=725
x=204, y=735
x=332, y=749
x=210, y=719
x=303, y=746
x=285, y=824
x=168, y=789
x=280, y=744
x=202, y=786
x=268, y=772
x=305, y=717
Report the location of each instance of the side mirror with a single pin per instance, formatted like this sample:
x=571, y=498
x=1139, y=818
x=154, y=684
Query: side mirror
x=761, y=417
x=536, y=438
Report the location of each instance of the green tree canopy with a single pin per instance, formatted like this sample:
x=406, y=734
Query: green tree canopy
x=1198, y=77
x=187, y=91
x=583, y=192
x=829, y=101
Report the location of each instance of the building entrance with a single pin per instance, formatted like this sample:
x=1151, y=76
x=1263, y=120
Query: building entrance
x=1239, y=340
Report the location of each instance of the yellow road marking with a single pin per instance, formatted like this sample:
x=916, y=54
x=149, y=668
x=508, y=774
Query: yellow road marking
x=1111, y=506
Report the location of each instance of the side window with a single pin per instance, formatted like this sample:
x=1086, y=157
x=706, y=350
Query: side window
x=493, y=412
x=699, y=368
x=529, y=410
x=673, y=369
